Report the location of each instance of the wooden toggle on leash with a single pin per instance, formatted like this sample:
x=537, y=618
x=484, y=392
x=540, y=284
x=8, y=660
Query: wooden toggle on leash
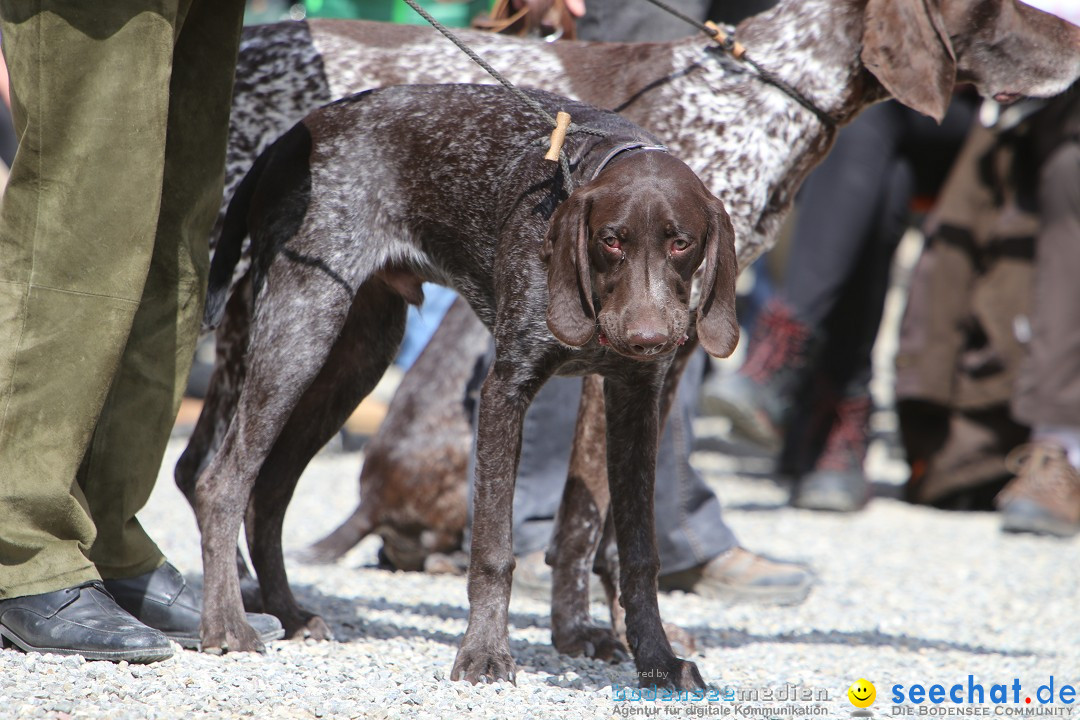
x=737, y=49
x=558, y=135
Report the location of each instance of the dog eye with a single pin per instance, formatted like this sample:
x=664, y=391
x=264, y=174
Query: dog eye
x=612, y=242
x=680, y=244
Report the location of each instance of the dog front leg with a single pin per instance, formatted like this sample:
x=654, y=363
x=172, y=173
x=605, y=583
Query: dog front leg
x=578, y=529
x=484, y=655
x=606, y=563
x=633, y=419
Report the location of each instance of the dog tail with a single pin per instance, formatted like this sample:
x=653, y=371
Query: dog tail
x=231, y=243
x=355, y=528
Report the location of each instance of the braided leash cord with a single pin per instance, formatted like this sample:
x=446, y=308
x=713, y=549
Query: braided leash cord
x=729, y=45
x=536, y=107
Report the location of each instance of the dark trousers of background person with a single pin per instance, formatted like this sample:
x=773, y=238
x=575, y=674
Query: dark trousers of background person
x=853, y=210
x=689, y=526
x=122, y=113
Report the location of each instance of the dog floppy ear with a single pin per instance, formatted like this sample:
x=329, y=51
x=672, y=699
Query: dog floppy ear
x=907, y=48
x=717, y=328
x=570, y=314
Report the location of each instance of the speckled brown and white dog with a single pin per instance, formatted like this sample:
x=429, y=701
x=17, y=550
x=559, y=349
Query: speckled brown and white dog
x=750, y=143
x=368, y=197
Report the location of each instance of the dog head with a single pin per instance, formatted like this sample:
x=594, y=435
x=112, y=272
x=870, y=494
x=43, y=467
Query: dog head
x=919, y=49
x=622, y=252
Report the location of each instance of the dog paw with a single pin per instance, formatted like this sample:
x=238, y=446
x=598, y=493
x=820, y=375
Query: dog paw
x=230, y=636
x=482, y=665
x=676, y=674
x=591, y=641
x=687, y=676
x=310, y=626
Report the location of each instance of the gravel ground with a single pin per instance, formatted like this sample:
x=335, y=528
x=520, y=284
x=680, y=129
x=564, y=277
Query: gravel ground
x=906, y=595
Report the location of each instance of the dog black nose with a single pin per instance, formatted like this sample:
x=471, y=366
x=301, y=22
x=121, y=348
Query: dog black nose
x=646, y=340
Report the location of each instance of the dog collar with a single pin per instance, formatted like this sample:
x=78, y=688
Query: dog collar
x=619, y=150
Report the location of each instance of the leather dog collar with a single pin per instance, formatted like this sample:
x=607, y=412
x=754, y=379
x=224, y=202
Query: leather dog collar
x=619, y=150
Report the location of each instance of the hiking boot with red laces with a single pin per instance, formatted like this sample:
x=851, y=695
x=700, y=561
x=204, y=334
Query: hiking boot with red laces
x=758, y=399
x=1044, y=497
x=838, y=482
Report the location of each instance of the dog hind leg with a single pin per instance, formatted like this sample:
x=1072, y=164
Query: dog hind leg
x=606, y=567
x=230, y=344
x=361, y=354
x=282, y=362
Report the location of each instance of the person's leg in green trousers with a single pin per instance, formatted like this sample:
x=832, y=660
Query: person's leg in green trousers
x=122, y=111
x=129, y=441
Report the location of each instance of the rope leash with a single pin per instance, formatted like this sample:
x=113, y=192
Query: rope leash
x=563, y=125
x=737, y=51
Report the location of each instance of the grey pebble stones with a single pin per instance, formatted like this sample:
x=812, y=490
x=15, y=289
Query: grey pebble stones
x=905, y=595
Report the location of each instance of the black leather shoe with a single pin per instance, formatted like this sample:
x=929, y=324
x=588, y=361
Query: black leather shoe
x=163, y=600
x=82, y=620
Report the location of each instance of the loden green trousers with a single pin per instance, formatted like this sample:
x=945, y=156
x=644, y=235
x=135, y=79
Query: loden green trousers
x=122, y=111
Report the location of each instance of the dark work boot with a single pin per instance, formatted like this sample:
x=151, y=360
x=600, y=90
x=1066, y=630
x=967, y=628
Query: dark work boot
x=837, y=481
x=807, y=428
x=81, y=620
x=758, y=399
x=163, y=600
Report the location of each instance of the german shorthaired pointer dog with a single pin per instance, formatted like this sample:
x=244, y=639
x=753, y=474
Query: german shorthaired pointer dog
x=385, y=451
x=368, y=197
x=750, y=143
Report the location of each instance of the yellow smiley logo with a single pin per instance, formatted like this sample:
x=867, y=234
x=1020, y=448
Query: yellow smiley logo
x=861, y=693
